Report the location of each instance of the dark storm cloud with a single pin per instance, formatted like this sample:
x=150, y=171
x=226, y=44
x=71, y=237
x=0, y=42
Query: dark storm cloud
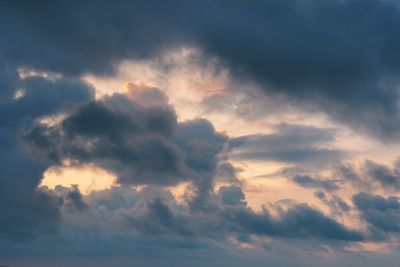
x=141, y=145
x=72, y=198
x=42, y=97
x=380, y=212
x=85, y=37
x=27, y=214
x=28, y=211
x=290, y=143
x=136, y=147
x=203, y=147
x=338, y=56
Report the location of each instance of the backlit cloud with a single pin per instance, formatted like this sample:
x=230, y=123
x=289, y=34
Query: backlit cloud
x=211, y=133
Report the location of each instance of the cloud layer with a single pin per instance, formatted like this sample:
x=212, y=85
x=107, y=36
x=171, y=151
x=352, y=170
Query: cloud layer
x=334, y=56
x=177, y=188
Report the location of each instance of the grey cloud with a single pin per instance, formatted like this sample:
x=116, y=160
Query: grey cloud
x=303, y=220
x=232, y=216
x=380, y=212
x=231, y=195
x=159, y=219
x=348, y=173
x=290, y=143
x=385, y=176
x=370, y=175
x=141, y=145
x=338, y=56
x=334, y=56
x=300, y=221
x=43, y=97
x=336, y=205
x=72, y=198
x=44, y=36
x=28, y=212
x=125, y=221
x=307, y=181
x=136, y=146
x=202, y=147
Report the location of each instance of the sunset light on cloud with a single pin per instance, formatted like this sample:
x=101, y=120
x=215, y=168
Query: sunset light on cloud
x=212, y=133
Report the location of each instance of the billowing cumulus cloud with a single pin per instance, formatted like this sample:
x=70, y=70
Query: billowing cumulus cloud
x=141, y=145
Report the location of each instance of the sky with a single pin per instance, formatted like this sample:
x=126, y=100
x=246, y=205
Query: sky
x=200, y=133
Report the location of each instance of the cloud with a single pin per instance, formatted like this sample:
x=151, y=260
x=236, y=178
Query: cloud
x=43, y=97
x=305, y=221
x=340, y=58
x=307, y=181
x=290, y=143
x=134, y=145
x=33, y=211
x=231, y=195
x=386, y=177
x=380, y=212
x=141, y=145
x=370, y=175
x=228, y=215
x=149, y=222
x=336, y=205
x=72, y=198
x=145, y=95
x=329, y=56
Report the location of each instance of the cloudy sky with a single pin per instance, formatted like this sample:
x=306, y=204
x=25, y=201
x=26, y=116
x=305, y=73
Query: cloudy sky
x=200, y=133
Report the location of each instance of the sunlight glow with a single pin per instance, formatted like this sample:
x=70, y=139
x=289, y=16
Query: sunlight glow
x=88, y=178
